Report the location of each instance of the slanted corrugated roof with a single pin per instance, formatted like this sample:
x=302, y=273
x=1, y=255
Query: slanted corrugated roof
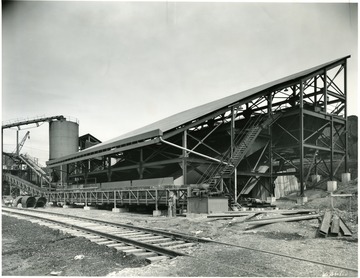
x=189, y=115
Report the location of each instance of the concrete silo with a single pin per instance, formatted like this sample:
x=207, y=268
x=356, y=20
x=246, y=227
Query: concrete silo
x=64, y=138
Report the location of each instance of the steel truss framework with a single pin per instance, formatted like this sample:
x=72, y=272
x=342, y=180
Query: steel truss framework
x=310, y=137
x=24, y=186
x=155, y=197
x=126, y=197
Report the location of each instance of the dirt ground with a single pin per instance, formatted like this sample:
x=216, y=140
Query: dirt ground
x=32, y=250
x=298, y=239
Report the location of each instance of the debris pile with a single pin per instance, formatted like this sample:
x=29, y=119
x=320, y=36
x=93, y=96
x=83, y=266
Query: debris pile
x=276, y=216
x=255, y=203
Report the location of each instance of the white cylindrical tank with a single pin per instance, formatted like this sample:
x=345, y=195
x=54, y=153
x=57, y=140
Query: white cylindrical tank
x=64, y=138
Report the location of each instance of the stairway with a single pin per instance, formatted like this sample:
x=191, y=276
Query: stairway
x=36, y=168
x=242, y=144
x=28, y=187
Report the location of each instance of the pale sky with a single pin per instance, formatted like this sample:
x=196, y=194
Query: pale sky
x=117, y=66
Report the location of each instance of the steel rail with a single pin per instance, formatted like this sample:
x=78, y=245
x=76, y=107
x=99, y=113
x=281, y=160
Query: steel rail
x=159, y=232
x=149, y=247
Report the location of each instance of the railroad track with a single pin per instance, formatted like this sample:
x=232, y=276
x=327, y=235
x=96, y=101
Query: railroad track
x=141, y=242
x=153, y=245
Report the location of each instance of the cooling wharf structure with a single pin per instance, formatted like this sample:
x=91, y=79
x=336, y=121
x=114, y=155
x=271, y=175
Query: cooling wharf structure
x=233, y=147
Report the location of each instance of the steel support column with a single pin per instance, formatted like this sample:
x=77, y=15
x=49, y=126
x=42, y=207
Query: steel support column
x=325, y=91
x=17, y=142
x=301, y=139
x=141, y=165
x=185, y=155
x=271, y=180
x=61, y=175
x=331, y=149
x=86, y=170
x=345, y=115
x=67, y=174
x=232, y=136
x=109, y=168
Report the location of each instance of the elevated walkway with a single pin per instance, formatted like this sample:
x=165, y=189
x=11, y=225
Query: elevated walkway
x=95, y=196
x=127, y=197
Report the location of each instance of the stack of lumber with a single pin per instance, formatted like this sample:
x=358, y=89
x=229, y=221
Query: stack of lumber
x=285, y=216
x=333, y=225
x=232, y=214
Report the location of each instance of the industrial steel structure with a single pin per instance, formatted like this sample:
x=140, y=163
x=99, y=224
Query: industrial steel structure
x=234, y=147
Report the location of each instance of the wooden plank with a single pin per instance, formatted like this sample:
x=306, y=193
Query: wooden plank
x=156, y=240
x=145, y=255
x=91, y=236
x=128, y=234
x=325, y=224
x=345, y=229
x=133, y=251
x=242, y=220
x=115, y=244
x=174, y=242
x=98, y=240
x=124, y=248
x=226, y=215
x=105, y=242
x=341, y=195
x=335, y=229
x=282, y=219
x=156, y=259
x=183, y=245
x=277, y=211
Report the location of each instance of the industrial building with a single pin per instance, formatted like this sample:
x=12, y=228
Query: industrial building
x=209, y=158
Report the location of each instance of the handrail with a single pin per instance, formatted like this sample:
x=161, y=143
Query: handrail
x=211, y=170
x=234, y=157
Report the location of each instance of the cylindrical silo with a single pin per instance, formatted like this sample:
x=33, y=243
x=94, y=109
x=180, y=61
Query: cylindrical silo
x=64, y=138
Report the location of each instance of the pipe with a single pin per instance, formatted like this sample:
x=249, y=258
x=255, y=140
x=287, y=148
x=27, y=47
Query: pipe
x=28, y=201
x=40, y=202
x=194, y=152
x=17, y=201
